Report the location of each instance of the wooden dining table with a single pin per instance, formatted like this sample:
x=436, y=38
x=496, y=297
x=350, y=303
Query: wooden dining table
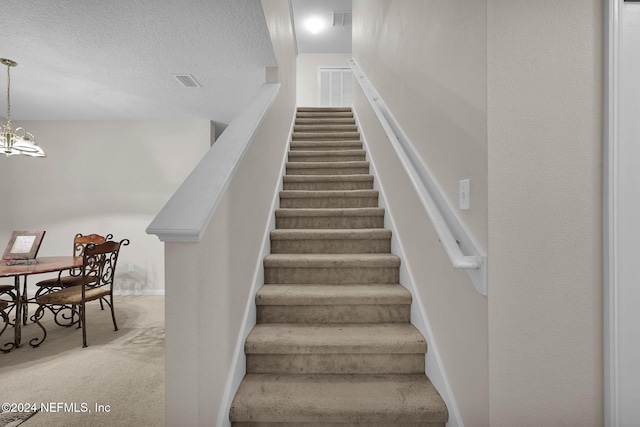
x=50, y=264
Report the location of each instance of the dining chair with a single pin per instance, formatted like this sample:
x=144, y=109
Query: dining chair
x=8, y=290
x=74, y=276
x=97, y=276
x=6, y=348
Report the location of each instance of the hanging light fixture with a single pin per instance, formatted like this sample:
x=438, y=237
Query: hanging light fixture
x=17, y=141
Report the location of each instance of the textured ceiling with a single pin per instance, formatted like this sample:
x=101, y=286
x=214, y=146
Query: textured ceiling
x=329, y=40
x=104, y=59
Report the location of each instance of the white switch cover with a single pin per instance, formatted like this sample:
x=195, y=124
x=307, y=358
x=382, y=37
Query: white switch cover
x=464, y=187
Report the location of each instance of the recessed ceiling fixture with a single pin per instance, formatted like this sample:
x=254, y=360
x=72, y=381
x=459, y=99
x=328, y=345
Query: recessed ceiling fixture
x=17, y=141
x=315, y=24
x=187, y=80
x=342, y=19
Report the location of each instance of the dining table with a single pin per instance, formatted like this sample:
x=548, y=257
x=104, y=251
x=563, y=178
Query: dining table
x=23, y=269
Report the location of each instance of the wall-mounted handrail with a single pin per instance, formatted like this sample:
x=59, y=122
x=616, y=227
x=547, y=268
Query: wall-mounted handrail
x=187, y=213
x=454, y=235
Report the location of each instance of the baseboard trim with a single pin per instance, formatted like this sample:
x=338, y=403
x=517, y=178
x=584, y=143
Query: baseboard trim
x=433, y=361
x=138, y=292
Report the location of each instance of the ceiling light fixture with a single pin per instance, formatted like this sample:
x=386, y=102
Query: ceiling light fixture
x=17, y=141
x=315, y=24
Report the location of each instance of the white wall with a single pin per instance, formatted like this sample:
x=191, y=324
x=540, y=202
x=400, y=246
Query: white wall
x=219, y=270
x=307, y=74
x=102, y=177
x=545, y=115
x=427, y=61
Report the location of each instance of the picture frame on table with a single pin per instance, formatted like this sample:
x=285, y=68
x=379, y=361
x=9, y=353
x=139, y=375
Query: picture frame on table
x=23, y=246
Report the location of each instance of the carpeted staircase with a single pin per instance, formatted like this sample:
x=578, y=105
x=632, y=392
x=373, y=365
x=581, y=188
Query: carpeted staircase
x=333, y=344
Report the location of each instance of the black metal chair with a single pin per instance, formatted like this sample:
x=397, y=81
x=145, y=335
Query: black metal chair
x=98, y=273
x=5, y=348
x=6, y=307
x=75, y=275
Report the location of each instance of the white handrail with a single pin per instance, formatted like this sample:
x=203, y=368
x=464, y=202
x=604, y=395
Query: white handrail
x=445, y=220
x=186, y=215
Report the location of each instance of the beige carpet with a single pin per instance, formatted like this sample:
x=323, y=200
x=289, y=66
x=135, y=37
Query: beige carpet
x=333, y=343
x=123, y=371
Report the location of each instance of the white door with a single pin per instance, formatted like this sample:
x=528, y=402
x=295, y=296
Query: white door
x=335, y=87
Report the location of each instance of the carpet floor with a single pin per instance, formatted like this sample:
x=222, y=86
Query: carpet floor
x=117, y=381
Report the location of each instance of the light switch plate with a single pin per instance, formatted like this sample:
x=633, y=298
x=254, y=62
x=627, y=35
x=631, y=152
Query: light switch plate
x=464, y=194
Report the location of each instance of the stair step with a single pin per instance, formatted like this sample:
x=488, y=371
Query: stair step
x=344, y=241
x=331, y=268
x=325, y=145
x=301, y=338
x=324, y=114
x=324, y=128
x=327, y=182
x=327, y=168
x=328, y=136
x=326, y=121
x=323, y=109
x=387, y=400
x=327, y=156
x=385, y=303
x=297, y=348
x=328, y=199
x=352, y=218
x=315, y=295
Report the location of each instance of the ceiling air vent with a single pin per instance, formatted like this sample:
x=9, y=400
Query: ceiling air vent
x=187, y=80
x=341, y=19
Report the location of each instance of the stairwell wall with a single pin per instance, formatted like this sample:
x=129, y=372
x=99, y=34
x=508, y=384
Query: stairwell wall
x=221, y=268
x=427, y=60
x=531, y=73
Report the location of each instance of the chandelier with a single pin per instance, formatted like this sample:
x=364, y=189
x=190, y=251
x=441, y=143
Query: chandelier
x=17, y=141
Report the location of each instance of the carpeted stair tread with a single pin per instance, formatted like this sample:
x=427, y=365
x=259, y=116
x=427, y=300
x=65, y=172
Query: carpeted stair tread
x=337, y=234
x=385, y=399
x=331, y=260
x=300, y=338
x=325, y=145
x=282, y=212
x=328, y=182
x=315, y=153
x=325, y=127
x=326, y=120
x=327, y=178
x=304, y=136
x=323, y=109
x=328, y=198
x=350, y=218
x=357, y=155
x=344, y=294
x=343, y=241
x=331, y=114
x=298, y=194
x=328, y=168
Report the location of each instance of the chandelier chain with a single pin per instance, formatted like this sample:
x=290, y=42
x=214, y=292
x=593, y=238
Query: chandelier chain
x=9, y=96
